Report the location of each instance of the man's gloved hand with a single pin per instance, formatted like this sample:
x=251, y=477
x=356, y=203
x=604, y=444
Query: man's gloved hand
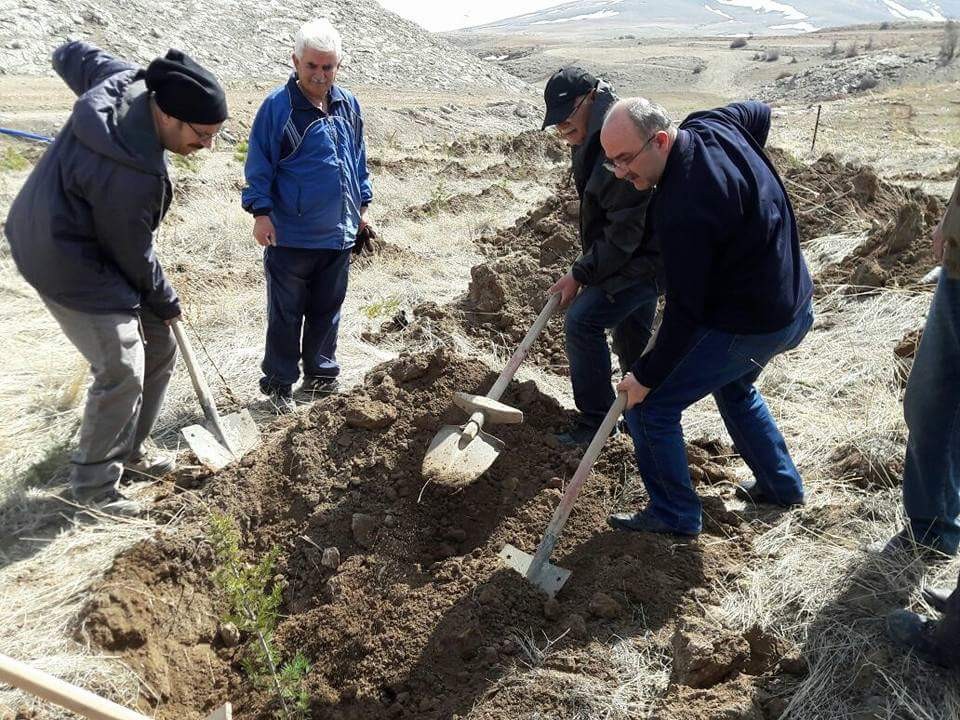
x=364, y=244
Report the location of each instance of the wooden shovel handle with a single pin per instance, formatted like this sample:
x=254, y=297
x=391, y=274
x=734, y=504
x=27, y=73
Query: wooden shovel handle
x=200, y=384
x=560, y=515
x=475, y=423
x=83, y=702
x=521, y=352
x=59, y=692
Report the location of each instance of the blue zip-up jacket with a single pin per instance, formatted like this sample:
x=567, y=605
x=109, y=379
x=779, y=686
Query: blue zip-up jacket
x=307, y=169
x=727, y=234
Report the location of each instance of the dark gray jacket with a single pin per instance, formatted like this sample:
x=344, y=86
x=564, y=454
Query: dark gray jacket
x=612, y=215
x=81, y=228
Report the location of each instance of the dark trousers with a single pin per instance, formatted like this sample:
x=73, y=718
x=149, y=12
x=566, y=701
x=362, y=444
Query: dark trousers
x=931, y=405
x=305, y=290
x=726, y=366
x=629, y=313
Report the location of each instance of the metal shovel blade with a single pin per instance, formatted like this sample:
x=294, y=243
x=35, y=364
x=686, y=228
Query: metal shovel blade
x=242, y=434
x=549, y=578
x=446, y=461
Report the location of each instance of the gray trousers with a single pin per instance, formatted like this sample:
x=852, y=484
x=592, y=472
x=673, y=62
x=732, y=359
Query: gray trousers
x=131, y=356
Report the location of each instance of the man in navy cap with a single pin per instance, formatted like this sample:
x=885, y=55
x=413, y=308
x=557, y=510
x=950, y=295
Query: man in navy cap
x=81, y=233
x=613, y=284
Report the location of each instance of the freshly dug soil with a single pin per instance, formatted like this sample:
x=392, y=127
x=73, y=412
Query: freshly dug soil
x=414, y=615
x=829, y=196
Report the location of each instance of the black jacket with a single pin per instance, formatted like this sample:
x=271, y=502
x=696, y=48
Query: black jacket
x=614, y=255
x=81, y=228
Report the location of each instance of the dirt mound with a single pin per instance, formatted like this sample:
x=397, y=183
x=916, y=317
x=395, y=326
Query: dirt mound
x=529, y=146
x=905, y=352
x=462, y=202
x=829, y=196
x=412, y=614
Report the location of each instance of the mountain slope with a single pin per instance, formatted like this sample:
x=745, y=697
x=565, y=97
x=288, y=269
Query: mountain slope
x=722, y=17
x=241, y=39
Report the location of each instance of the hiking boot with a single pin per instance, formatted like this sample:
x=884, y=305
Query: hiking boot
x=151, y=464
x=315, y=387
x=904, y=543
x=643, y=522
x=915, y=632
x=936, y=598
x=111, y=502
x=749, y=491
x=280, y=395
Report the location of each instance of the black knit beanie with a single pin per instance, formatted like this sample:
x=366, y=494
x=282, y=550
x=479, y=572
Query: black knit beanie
x=185, y=90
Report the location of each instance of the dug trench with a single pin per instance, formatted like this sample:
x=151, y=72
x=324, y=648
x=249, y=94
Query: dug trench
x=413, y=614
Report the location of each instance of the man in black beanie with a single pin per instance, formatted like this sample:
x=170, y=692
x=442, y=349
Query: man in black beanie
x=81, y=233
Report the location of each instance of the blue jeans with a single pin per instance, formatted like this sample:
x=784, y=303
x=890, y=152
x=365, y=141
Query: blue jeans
x=725, y=365
x=931, y=405
x=630, y=314
x=305, y=289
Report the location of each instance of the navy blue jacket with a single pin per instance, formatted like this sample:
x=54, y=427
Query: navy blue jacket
x=307, y=169
x=81, y=228
x=727, y=235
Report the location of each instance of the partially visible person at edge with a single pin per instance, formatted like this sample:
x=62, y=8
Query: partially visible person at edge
x=613, y=284
x=81, y=233
x=308, y=190
x=738, y=293
x=931, y=472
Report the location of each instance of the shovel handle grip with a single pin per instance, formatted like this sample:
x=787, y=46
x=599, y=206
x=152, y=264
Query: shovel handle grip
x=521, y=352
x=59, y=692
x=560, y=515
x=200, y=384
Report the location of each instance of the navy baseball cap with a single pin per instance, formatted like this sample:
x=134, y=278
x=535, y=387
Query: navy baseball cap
x=562, y=90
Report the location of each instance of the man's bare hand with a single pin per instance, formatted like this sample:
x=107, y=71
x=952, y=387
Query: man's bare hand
x=568, y=288
x=634, y=390
x=263, y=231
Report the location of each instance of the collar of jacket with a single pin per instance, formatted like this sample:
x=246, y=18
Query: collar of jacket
x=604, y=98
x=300, y=101
x=679, y=154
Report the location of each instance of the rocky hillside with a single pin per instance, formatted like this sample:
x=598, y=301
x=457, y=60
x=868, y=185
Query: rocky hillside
x=243, y=40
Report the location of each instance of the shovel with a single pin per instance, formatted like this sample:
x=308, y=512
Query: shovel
x=226, y=438
x=537, y=569
x=75, y=698
x=458, y=455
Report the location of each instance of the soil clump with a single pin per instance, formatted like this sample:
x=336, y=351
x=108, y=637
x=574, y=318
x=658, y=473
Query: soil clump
x=393, y=590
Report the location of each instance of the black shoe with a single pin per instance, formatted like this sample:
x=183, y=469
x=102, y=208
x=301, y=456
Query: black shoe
x=580, y=436
x=936, y=598
x=915, y=632
x=314, y=387
x=643, y=522
x=749, y=491
x=110, y=502
x=280, y=395
x=929, y=549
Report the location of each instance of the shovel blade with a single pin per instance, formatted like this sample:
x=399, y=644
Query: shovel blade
x=241, y=431
x=548, y=577
x=449, y=463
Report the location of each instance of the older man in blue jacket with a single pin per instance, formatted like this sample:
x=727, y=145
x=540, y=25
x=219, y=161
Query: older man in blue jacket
x=81, y=233
x=738, y=293
x=308, y=190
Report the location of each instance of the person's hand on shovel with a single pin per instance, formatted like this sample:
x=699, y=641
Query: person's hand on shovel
x=568, y=288
x=634, y=390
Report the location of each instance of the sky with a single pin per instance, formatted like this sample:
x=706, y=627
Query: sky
x=453, y=14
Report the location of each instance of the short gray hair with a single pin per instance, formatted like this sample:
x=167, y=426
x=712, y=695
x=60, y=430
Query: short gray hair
x=648, y=117
x=318, y=34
